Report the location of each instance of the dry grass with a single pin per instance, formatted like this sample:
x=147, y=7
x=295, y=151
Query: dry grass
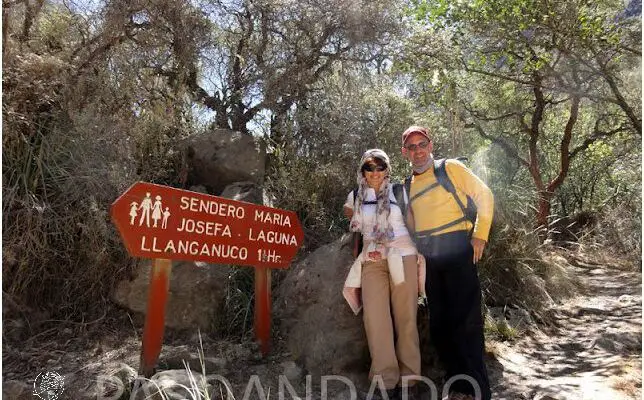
x=61, y=254
x=629, y=380
x=520, y=270
x=60, y=249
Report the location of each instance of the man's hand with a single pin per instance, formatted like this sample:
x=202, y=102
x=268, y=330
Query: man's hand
x=478, y=245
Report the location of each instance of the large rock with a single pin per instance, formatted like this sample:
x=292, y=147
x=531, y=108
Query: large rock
x=220, y=157
x=17, y=390
x=195, y=295
x=320, y=329
x=247, y=191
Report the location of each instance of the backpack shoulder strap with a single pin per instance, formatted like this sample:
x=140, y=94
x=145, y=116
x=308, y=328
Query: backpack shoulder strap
x=398, y=188
x=407, y=192
x=440, y=170
x=408, y=185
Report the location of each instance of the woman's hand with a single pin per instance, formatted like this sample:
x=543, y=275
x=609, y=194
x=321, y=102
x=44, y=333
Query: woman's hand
x=348, y=212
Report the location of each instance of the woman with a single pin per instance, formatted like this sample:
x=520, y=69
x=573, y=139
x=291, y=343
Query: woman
x=387, y=273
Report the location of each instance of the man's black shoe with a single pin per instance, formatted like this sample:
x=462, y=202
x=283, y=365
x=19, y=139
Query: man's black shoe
x=391, y=394
x=416, y=392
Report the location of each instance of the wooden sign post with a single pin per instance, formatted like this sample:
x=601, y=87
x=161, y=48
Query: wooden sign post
x=263, y=307
x=155, y=315
x=164, y=223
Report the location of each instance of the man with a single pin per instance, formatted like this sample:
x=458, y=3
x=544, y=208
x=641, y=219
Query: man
x=452, y=245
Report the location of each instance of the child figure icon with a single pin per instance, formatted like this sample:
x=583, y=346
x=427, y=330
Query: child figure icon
x=166, y=215
x=134, y=206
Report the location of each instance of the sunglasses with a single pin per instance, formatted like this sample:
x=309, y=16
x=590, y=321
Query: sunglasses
x=373, y=167
x=414, y=147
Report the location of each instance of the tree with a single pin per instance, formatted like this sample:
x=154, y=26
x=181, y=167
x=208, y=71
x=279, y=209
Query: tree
x=239, y=58
x=542, y=80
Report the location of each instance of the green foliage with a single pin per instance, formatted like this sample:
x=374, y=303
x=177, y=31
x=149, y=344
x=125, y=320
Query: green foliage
x=499, y=330
x=519, y=270
x=315, y=169
x=94, y=101
x=236, y=317
x=512, y=70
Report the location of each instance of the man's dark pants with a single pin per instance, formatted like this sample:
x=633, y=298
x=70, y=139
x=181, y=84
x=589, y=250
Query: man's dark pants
x=455, y=320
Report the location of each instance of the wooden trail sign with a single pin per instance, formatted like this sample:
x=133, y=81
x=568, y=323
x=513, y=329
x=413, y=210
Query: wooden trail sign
x=164, y=223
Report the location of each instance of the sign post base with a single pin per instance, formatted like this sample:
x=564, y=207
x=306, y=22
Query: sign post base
x=155, y=316
x=263, y=308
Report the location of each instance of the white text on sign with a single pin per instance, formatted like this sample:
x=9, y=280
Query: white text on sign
x=272, y=237
x=204, y=228
x=272, y=218
x=212, y=207
x=193, y=248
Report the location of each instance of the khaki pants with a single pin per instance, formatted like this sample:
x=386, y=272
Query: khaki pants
x=389, y=308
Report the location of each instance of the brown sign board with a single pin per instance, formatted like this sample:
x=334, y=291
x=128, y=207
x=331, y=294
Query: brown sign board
x=162, y=222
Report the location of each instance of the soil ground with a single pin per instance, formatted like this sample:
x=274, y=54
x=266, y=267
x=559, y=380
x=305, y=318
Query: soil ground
x=590, y=350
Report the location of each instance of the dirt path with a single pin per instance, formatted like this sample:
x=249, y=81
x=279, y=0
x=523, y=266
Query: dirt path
x=594, y=352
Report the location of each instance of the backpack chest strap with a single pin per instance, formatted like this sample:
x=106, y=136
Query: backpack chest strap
x=375, y=202
x=423, y=191
x=430, y=232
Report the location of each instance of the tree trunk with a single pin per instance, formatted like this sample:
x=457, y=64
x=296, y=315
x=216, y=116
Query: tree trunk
x=543, y=211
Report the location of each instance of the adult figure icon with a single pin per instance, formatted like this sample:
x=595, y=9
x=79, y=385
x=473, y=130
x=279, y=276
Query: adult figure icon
x=157, y=210
x=146, y=205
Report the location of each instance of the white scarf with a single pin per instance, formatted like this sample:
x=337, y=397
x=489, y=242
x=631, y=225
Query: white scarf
x=382, y=230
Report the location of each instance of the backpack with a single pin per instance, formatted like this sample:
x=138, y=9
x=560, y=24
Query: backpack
x=399, y=195
x=440, y=171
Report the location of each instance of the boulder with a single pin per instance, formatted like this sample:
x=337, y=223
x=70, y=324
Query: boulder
x=220, y=157
x=247, y=191
x=292, y=371
x=195, y=295
x=114, y=382
x=319, y=328
x=17, y=390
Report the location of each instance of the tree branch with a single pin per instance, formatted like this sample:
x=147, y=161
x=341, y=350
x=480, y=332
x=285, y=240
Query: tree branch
x=621, y=101
x=30, y=15
x=565, y=146
x=537, y=117
x=509, y=150
x=597, y=134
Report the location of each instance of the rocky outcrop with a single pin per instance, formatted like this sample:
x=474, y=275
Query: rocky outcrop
x=247, y=191
x=319, y=328
x=195, y=295
x=220, y=157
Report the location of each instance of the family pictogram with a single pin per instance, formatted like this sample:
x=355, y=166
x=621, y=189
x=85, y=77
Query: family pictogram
x=150, y=211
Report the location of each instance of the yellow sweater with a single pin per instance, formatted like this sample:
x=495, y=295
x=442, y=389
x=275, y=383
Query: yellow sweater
x=438, y=207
